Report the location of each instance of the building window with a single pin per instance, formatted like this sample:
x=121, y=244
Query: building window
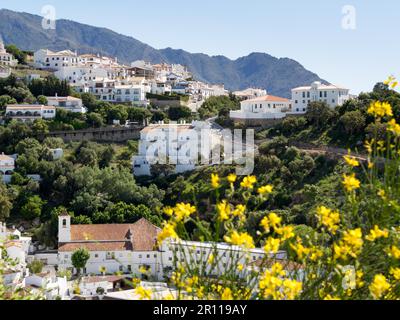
x=64, y=223
x=129, y=268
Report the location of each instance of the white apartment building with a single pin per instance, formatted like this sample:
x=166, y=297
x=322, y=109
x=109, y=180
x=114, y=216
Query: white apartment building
x=331, y=94
x=6, y=59
x=135, y=94
x=30, y=112
x=69, y=103
x=47, y=59
x=7, y=164
x=132, y=248
x=177, y=144
x=263, y=108
x=250, y=93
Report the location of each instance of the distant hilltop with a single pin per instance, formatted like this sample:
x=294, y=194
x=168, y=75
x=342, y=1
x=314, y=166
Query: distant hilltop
x=260, y=70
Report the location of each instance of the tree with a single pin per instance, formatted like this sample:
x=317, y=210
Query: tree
x=17, y=53
x=5, y=100
x=176, y=113
x=32, y=208
x=95, y=120
x=213, y=105
x=42, y=100
x=36, y=266
x=353, y=122
x=319, y=113
x=5, y=202
x=79, y=259
x=40, y=127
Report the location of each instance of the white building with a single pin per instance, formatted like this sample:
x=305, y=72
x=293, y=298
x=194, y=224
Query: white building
x=250, y=93
x=4, y=71
x=47, y=59
x=30, y=112
x=6, y=59
x=71, y=104
x=331, y=94
x=178, y=144
x=7, y=164
x=260, y=109
x=132, y=248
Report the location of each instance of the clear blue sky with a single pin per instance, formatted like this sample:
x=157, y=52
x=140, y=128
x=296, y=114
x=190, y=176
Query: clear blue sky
x=309, y=31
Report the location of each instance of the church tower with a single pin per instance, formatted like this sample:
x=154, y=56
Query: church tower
x=64, y=228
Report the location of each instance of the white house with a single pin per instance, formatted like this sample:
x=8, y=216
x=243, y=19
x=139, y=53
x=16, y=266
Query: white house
x=30, y=112
x=48, y=59
x=179, y=145
x=261, y=109
x=122, y=248
x=69, y=103
x=250, y=93
x=331, y=94
x=7, y=164
x=6, y=59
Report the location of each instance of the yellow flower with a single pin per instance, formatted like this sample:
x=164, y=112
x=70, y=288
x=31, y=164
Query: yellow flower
x=394, y=127
x=395, y=272
x=211, y=259
x=329, y=297
x=168, y=232
x=270, y=283
x=300, y=250
x=169, y=211
x=271, y=221
x=351, y=161
x=232, y=178
x=183, y=211
x=350, y=245
x=369, y=145
x=274, y=219
x=240, y=239
x=239, y=211
x=292, y=288
x=144, y=294
x=240, y=267
x=224, y=210
x=394, y=252
x=377, y=233
x=316, y=254
x=272, y=245
x=379, y=286
x=328, y=218
x=248, y=182
x=351, y=183
x=286, y=232
x=215, y=181
x=265, y=190
x=143, y=270
x=227, y=294
x=380, y=109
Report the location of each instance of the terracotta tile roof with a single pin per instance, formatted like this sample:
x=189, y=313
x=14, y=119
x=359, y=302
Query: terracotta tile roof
x=95, y=279
x=5, y=157
x=268, y=98
x=140, y=236
x=96, y=246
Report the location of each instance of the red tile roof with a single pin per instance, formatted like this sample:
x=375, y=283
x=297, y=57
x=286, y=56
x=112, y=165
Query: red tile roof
x=268, y=98
x=140, y=236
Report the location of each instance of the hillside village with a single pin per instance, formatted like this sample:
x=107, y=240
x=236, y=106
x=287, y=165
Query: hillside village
x=121, y=253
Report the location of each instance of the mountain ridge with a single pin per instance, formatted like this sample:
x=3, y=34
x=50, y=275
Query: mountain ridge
x=258, y=69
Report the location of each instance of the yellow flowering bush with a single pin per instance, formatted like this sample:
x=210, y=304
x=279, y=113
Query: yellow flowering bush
x=353, y=254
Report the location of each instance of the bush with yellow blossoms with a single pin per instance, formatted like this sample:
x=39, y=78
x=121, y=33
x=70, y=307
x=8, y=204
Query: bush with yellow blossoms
x=354, y=253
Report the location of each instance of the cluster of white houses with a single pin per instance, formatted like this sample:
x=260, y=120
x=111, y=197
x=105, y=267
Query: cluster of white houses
x=113, y=82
